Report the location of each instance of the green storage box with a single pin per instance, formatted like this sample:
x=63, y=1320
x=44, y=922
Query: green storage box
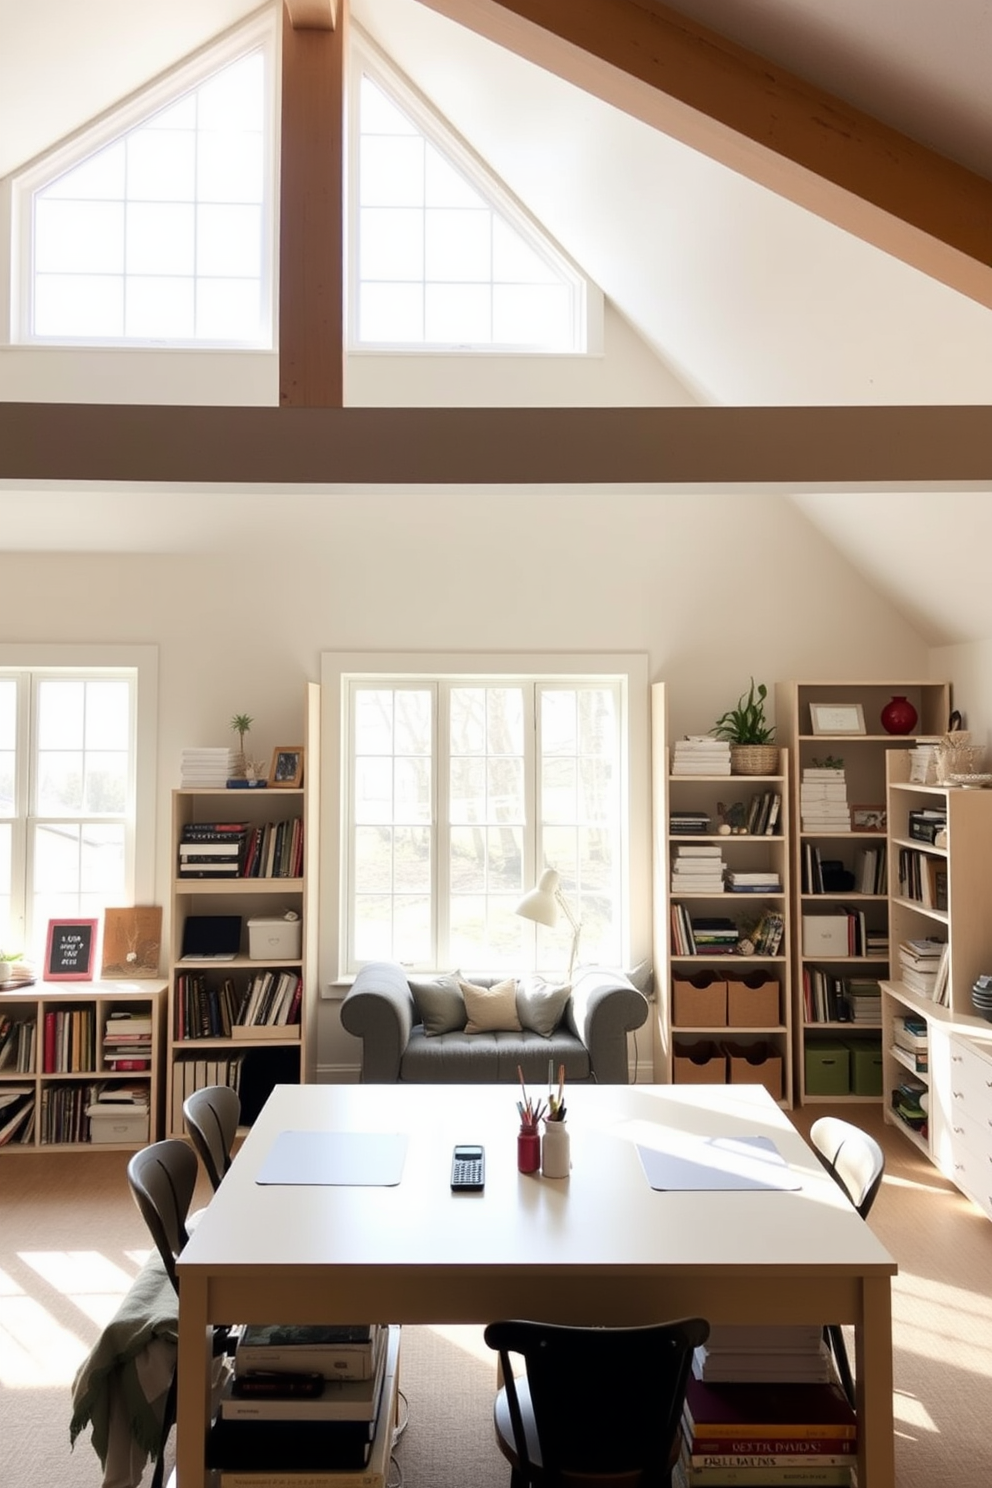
x=866, y=1066
x=828, y=1068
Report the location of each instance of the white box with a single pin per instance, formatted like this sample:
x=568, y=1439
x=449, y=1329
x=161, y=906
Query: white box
x=118, y=1123
x=825, y=935
x=274, y=939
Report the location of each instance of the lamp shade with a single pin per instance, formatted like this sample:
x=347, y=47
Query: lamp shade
x=540, y=904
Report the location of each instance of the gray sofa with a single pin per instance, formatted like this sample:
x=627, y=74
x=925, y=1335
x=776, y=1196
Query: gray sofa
x=590, y=1039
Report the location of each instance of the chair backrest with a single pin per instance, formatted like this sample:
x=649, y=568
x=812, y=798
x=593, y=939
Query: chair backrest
x=162, y=1178
x=604, y=1400
x=852, y=1158
x=212, y=1115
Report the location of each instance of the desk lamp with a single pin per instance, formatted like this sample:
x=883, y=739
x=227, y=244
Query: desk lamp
x=543, y=905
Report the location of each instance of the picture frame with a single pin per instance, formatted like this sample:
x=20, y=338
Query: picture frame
x=132, y=940
x=837, y=718
x=70, y=950
x=286, y=769
x=870, y=818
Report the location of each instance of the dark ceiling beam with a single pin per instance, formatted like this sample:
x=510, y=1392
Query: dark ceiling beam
x=312, y=15
x=483, y=446
x=765, y=123
x=311, y=215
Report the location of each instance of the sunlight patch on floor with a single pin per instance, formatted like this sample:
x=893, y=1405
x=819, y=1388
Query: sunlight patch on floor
x=467, y=1337
x=909, y=1411
x=35, y=1351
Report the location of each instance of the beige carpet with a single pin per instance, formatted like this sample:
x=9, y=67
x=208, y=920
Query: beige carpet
x=71, y=1240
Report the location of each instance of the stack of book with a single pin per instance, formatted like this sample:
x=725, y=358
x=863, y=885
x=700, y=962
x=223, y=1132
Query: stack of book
x=823, y=800
x=688, y=823
x=308, y=1401
x=870, y=870
x=909, y=1034
x=69, y=1040
x=763, y=1433
x=193, y=1074
x=212, y=849
x=921, y=963
x=754, y=881
x=274, y=850
x=18, y=1037
x=714, y=935
x=864, y=998
x=909, y=1101
x=779, y=1353
x=763, y=814
x=127, y=1041
x=207, y=768
x=698, y=754
x=273, y=998
x=16, y=1113
x=697, y=870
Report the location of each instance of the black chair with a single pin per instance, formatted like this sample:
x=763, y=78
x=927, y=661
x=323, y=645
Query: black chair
x=212, y=1115
x=162, y=1178
x=856, y=1163
x=597, y=1407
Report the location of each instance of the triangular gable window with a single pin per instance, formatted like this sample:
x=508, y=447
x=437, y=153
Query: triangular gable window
x=160, y=233
x=443, y=258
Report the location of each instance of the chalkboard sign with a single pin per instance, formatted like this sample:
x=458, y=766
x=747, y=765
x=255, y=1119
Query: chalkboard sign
x=69, y=954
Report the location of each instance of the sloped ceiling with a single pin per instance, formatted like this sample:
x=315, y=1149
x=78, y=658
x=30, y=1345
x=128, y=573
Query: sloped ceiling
x=748, y=299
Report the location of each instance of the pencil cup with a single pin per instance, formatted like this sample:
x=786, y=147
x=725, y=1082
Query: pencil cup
x=555, y=1150
x=528, y=1150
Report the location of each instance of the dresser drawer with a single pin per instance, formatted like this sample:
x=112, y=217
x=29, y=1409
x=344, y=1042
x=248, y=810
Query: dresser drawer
x=972, y=1172
x=970, y=1081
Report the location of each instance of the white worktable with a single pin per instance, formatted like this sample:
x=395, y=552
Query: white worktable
x=600, y=1247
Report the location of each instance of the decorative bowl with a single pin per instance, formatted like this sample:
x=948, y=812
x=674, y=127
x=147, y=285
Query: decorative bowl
x=970, y=782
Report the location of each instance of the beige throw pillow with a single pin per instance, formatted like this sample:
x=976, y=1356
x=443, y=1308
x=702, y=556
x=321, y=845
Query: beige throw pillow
x=491, y=1009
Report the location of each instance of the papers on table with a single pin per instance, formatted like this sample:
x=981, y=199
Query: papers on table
x=677, y=1160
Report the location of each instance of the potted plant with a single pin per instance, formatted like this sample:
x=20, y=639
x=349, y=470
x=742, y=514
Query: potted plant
x=7, y=959
x=241, y=723
x=749, y=734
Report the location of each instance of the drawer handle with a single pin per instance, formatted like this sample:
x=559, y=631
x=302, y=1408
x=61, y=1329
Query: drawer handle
x=958, y=1130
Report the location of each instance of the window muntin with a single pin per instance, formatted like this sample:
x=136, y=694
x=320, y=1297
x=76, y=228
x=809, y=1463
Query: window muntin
x=459, y=793
x=442, y=256
x=161, y=233
x=67, y=798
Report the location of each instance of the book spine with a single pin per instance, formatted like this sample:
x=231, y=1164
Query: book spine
x=766, y=1477
x=758, y=1433
x=753, y=1456
x=342, y=1479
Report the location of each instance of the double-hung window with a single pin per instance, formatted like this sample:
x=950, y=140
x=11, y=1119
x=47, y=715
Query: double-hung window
x=69, y=787
x=458, y=790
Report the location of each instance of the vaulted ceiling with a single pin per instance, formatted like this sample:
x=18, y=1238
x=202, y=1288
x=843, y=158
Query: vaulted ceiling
x=747, y=297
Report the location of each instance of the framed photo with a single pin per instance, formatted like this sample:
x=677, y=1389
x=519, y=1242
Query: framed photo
x=837, y=718
x=868, y=818
x=69, y=951
x=131, y=941
x=287, y=765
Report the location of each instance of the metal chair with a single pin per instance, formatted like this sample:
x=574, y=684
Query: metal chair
x=597, y=1406
x=212, y=1115
x=856, y=1163
x=162, y=1178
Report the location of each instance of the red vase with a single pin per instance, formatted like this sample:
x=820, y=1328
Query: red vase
x=899, y=716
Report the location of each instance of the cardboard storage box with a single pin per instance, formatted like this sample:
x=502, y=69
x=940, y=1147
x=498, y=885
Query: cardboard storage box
x=118, y=1123
x=753, y=1001
x=755, y=1064
x=699, y=1001
x=828, y=1068
x=274, y=938
x=825, y=935
x=865, y=1066
x=703, y=1063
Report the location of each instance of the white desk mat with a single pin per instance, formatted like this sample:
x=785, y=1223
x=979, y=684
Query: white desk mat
x=345, y=1159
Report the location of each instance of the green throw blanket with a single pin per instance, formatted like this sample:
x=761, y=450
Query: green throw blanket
x=150, y=1310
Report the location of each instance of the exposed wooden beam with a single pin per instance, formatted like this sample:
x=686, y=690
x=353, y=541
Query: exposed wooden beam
x=762, y=121
x=312, y=15
x=311, y=232
x=482, y=446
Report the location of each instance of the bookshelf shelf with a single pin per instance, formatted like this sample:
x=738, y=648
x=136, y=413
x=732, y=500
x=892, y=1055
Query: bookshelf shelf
x=204, y=993
x=864, y=770
x=68, y=1062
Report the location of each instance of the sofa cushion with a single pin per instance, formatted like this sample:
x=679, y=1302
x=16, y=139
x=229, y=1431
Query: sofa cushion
x=439, y=1003
x=491, y=1009
x=540, y=1004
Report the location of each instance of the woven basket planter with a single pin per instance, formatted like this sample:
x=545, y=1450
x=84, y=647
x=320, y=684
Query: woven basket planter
x=754, y=759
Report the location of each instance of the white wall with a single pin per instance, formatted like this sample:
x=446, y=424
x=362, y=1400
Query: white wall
x=712, y=588
x=968, y=667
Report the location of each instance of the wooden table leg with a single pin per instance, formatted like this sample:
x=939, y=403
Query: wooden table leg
x=193, y=1379
x=873, y=1367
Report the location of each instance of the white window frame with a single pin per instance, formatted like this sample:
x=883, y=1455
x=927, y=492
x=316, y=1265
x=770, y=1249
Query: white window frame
x=338, y=669
x=366, y=57
x=141, y=662
x=261, y=31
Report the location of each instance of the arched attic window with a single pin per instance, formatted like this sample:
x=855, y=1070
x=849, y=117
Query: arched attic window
x=155, y=227
x=443, y=257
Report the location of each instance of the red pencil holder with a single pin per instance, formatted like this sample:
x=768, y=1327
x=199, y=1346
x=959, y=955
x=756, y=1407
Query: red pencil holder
x=528, y=1150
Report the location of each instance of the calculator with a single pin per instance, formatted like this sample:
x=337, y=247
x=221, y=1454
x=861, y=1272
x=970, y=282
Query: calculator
x=468, y=1167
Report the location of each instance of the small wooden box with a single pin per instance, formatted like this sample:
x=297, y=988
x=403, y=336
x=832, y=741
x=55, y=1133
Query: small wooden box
x=699, y=1001
x=699, y=1064
x=755, y=1064
x=753, y=1001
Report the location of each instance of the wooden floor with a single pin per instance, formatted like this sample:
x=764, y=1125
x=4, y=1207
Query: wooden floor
x=71, y=1240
